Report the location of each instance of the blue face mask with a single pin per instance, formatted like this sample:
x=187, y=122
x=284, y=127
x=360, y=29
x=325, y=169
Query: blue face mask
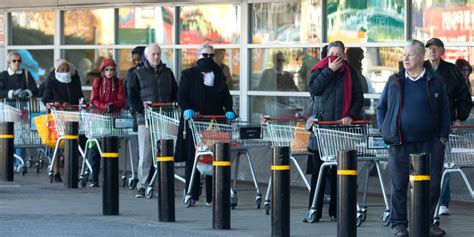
x=64, y=77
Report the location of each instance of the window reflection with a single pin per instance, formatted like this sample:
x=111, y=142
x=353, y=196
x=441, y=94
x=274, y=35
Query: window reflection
x=145, y=25
x=379, y=64
x=89, y=27
x=32, y=28
x=366, y=20
x=212, y=24
x=277, y=106
x=87, y=62
x=286, y=22
x=282, y=69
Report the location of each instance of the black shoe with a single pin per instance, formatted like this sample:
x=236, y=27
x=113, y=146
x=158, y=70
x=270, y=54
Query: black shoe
x=400, y=230
x=57, y=178
x=140, y=193
x=333, y=218
x=94, y=184
x=435, y=231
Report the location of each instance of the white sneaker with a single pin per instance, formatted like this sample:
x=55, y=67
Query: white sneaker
x=443, y=211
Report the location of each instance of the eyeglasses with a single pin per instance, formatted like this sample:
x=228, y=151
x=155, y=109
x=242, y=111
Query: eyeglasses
x=16, y=61
x=208, y=55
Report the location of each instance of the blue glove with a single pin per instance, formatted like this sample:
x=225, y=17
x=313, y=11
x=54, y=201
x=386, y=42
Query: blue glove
x=188, y=114
x=230, y=115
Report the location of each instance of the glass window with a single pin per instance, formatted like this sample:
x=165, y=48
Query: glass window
x=124, y=60
x=366, y=21
x=87, y=62
x=38, y=62
x=31, y=28
x=212, y=24
x=447, y=20
x=282, y=69
x=89, y=27
x=145, y=25
x=228, y=59
x=277, y=106
x=286, y=22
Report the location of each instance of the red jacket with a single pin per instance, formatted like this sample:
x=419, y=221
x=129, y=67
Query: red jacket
x=105, y=90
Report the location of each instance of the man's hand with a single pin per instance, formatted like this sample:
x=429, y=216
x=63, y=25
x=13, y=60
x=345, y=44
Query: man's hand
x=336, y=64
x=346, y=121
x=66, y=105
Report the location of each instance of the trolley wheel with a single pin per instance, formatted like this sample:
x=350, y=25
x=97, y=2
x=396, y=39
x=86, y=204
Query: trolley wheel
x=124, y=181
x=436, y=222
x=267, y=208
x=132, y=183
x=29, y=163
x=233, y=199
x=359, y=220
x=149, y=193
x=187, y=201
x=50, y=178
x=363, y=214
x=23, y=170
x=258, y=202
x=311, y=216
x=41, y=164
x=385, y=220
x=83, y=182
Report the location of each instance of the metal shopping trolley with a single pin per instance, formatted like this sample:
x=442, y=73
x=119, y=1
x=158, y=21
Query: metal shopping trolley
x=163, y=121
x=22, y=112
x=459, y=155
x=331, y=137
x=96, y=125
x=287, y=131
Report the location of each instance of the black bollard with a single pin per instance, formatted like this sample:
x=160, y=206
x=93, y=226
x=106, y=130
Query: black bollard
x=347, y=190
x=110, y=191
x=281, y=191
x=7, y=149
x=221, y=187
x=71, y=154
x=165, y=181
x=420, y=195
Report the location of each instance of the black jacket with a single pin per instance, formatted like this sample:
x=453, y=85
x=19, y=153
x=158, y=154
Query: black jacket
x=391, y=101
x=327, y=91
x=460, y=101
x=56, y=91
x=126, y=80
x=148, y=85
x=17, y=81
x=192, y=95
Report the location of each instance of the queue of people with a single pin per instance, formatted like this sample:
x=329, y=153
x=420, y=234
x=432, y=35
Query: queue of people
x=416, y=108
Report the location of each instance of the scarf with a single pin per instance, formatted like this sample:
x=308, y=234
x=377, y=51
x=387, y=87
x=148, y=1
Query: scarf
x=206, y=64
x=345, y=72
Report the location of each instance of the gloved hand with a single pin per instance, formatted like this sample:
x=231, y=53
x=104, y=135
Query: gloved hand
x=23, y=95
x=188, y=114
x=110, y=108
x=230, y=115
x=16, y=93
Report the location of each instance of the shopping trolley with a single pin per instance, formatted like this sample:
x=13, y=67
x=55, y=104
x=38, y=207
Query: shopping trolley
x=163, y=121
x=61, y=116
x=331, y=136
x=459, y=155
x=22, y=112
x=98, y=124
x=291, y=132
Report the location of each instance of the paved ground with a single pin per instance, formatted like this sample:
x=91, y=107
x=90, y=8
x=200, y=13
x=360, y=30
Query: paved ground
x=31, y=206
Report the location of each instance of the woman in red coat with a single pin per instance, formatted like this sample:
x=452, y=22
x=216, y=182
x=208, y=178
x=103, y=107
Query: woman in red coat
x=107, y=96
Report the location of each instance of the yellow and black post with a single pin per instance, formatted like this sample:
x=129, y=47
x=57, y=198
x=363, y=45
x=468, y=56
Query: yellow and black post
x=110, y=191
x=7, y=149
x=347, y=193
x=165, y=181
x=71, y=154
x=281, y=191
x=420, y=195
x=221, y=186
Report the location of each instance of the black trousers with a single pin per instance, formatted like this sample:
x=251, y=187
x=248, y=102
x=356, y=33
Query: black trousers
x=398, y=166
x=315, y=167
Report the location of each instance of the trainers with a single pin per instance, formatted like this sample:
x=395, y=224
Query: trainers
x=208, y=203
x=57, y=178
x=435, y=231
x=140, y=193
x=443, y=211
x=94, y=184
x=400, y=230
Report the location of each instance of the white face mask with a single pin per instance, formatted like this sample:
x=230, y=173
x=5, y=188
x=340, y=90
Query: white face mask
x=64, y=77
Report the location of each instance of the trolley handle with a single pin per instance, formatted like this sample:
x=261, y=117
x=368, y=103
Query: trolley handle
x=78, y=106
x=266, y=118
x=199, y=116
x=150, y=104
x=356, y=122
x=457, y=127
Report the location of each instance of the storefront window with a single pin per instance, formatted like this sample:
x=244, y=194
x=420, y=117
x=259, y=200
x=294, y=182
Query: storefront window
x=286, y=22
x=39, y=62
x=229, y=62
x=87, y=62
x=277, y=106
x=212, y=24
x=282, y=69
x=451, y=21
x=31, y=28
x=366, y=20
x=89, y=27
x=145, y=25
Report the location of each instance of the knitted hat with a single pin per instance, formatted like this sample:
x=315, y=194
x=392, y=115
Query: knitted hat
x=60, y=62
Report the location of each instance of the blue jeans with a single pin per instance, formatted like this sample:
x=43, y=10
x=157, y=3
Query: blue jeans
x=446, y=192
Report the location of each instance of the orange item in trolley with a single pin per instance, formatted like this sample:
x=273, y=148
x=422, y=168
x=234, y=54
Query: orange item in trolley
x=46, y=128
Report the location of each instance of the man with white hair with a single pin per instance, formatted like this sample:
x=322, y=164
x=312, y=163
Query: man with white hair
x=418, y=125
x=154, y=83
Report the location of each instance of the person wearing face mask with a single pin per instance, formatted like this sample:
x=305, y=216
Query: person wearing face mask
x=15, y=82
x=106, y=96
x=63, y=88
x=155, y=83
x=203, y=90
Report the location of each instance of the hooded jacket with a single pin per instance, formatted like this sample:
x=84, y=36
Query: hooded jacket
x=107, y=91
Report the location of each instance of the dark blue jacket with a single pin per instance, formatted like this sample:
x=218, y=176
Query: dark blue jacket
x=391, y=101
